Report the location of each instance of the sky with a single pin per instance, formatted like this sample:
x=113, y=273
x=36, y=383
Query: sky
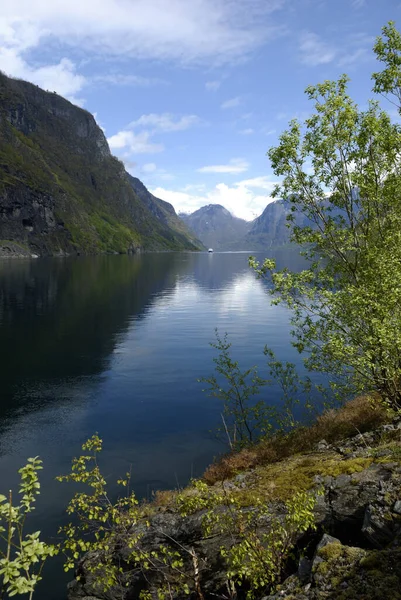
x=191, y=94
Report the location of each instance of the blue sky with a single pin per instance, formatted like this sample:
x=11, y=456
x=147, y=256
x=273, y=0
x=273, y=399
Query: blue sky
x=192, y=93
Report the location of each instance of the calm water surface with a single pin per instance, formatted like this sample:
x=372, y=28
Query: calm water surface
x=115, y=345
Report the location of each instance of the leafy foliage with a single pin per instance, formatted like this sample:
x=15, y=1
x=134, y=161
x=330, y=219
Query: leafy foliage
x=104, y=527
x=242, y=417
x=341, y=171
x=260, y=542
x=245, y=419
x=23, y=555
x=388, y=51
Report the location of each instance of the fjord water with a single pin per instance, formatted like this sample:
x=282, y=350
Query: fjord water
x=116, y=345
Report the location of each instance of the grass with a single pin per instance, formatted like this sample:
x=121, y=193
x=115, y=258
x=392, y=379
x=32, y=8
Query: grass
x=357, y=416
x=283, y=465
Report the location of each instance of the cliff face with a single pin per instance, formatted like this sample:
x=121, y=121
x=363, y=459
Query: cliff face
x=216, y=227
x=163, y=211
x=61, y=190
x=271, y=228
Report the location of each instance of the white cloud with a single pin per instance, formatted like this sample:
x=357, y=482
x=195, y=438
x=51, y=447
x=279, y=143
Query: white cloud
x=148, y=168
x=212, y=32
x=248, y=131
x=235, y=165
x=60, y=77
x=243, y=199
x=127, y=142
x=314, y=51
x=232, y=103
x=128, y=80
x=353, y=57
x=262, y=182
x=165, y=122
x=212, y=86
x=148, y=172
x=267, y=131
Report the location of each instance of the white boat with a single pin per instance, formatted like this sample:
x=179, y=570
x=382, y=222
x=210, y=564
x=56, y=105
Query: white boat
x=210, y=250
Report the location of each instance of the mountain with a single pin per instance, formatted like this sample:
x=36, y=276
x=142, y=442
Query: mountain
x=271, y=228
x=163, y=211
x=216, y=227
x=61, y=190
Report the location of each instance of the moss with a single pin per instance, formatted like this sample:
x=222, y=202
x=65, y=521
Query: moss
x=347, y=573
x=21, y=245
x=331, y=551
x=283, y=479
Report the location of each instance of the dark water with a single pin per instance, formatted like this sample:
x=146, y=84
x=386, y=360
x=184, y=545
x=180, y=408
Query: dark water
x=115, y=345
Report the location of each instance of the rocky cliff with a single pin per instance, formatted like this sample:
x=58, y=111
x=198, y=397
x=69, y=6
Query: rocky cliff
x=61, y=190
x=352, y=552
x=163, y=211
x=270, y=229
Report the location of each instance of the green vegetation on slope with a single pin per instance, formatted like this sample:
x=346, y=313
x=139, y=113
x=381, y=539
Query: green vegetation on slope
x=60, y=188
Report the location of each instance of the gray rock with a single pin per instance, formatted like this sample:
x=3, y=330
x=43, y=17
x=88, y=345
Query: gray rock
x=375, y=527
x=361, y=503
x=304, y=570
x=326, y=540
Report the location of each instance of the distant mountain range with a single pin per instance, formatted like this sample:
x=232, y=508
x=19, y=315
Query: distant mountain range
x=217, y=228
x=61, y=190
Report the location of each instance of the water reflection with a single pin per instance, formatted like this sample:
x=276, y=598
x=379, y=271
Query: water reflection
x=116, y=344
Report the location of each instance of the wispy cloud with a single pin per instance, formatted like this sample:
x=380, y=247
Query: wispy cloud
x=262, y=182
x=314, y=51
x=166, y=122
x=248, y=131
x=128, y=80
x=127, y=142
x=148, y=168
x=137, y=137
x=268, y=131
x=235, y=165
x=152, y=173
x=212, y=86
x=354, y=57
x=356, y=48
x=211, y=32
x=231, y=103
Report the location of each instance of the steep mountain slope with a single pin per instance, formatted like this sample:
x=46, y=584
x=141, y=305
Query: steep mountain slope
x=271, y=228
x=61, y=191
x=163, y=211
x=216, y=227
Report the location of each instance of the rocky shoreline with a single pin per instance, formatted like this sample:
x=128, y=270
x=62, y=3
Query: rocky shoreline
x=353, y=553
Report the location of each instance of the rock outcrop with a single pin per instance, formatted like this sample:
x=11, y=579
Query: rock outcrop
x=61, y=190
x=354, y=552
